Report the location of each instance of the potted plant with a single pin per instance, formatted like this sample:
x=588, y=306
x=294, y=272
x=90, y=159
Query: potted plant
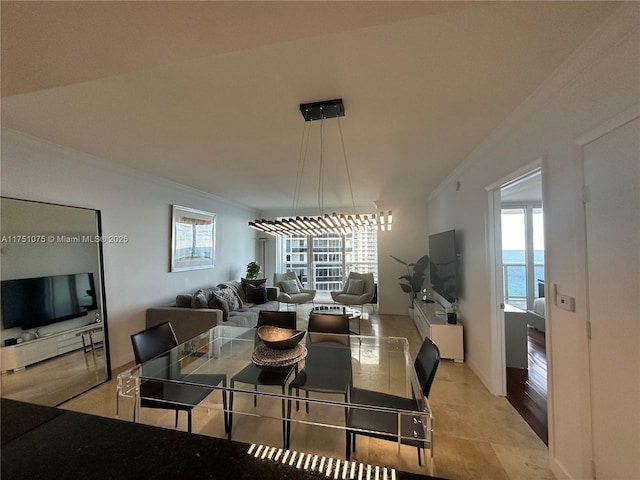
x=413, y=280
x=253, y=270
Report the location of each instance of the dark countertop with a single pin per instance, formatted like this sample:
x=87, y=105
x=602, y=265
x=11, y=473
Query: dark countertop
x=45, y=442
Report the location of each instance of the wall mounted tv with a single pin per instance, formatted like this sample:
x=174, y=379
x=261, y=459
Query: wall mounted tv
x=444, y=265
x=34, y=302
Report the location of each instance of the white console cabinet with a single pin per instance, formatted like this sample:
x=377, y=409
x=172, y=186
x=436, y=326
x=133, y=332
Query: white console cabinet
x=19, y=356
x=448, y=337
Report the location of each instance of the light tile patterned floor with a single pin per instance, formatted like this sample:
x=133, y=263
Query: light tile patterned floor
x=477, y=435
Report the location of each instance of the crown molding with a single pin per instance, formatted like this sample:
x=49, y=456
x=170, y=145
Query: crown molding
x=111, y=166
x=619, y=120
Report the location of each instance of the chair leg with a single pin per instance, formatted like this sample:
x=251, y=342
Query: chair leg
x=353, y=447
x=284, y=421
x=225, y=412
x=348, y=443
x=255, y=397
x=419, y=458
x=288, y=429
x=230, y=420
x=307, y=402
x=346, y=410
x=188, y=420
x=176, y=422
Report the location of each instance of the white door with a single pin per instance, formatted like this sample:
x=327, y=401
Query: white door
x=612, y=179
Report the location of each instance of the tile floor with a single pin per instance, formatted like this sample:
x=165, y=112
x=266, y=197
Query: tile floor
x=476, y=435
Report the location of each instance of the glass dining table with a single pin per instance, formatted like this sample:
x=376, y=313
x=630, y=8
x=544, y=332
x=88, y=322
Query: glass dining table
x=321, y=363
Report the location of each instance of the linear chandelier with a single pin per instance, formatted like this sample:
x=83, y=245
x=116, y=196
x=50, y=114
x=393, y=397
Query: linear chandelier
x=338, y=224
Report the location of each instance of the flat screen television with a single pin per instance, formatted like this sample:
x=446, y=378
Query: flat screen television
x=444, y=265
x=34, y=302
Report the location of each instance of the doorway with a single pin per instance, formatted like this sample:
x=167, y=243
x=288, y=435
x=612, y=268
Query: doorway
x=520, y=294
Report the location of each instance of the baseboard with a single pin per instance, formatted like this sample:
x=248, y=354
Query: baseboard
x=474, y=368
x=558, y=470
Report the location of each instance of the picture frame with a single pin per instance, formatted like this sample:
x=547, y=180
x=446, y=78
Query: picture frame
x=193, y=239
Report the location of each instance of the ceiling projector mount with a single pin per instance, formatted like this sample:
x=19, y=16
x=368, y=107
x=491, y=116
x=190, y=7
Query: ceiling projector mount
x=322, y=110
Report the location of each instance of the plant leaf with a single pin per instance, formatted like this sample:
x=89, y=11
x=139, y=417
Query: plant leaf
x=416, y=283
x=398, y=260
x=422, y=264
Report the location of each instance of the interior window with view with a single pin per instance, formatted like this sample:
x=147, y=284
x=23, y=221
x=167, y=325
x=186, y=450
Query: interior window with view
x=522, y=255
x=323, y=262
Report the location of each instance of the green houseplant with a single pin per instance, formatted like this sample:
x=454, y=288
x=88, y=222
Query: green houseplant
x=416, y=273
x=253, y=270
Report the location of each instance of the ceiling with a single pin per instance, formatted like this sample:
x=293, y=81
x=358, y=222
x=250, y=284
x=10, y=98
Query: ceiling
x=206, y=94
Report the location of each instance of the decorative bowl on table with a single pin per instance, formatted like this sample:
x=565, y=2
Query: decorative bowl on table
x=280, y=338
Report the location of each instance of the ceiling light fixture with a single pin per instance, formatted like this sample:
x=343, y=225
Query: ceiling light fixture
x=333, y=223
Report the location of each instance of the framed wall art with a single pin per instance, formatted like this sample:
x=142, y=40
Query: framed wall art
x=193, y=239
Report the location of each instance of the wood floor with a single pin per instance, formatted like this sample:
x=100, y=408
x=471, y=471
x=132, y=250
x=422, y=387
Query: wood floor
x=527, y=388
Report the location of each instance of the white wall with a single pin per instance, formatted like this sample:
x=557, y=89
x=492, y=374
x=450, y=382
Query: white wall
x=136, y=273
x=408, y=240
x=598, y=82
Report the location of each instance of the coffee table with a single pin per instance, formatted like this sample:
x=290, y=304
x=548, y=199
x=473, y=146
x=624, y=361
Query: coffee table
x=351, y=313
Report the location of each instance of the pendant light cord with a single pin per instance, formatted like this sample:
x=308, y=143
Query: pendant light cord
x=321, y=171
x=346, y=166
x=304, y=148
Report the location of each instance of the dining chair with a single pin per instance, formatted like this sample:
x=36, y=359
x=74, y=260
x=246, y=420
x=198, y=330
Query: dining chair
x=327, y=367
x=328, y=323
x=384, y=424
x=153, y=348
x=272, y=376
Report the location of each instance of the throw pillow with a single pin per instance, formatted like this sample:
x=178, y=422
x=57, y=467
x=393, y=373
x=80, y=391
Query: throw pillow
x=236, y=287
x=290, y=287
x=208, y=292
x=199, y=300
x=217, y=301
x=355, y=287
x=256, y=294
x=256, y=283
x=230, y=297
x=183, y=301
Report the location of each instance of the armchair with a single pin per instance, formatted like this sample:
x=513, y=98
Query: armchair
x=357, y=290
x=291, y=290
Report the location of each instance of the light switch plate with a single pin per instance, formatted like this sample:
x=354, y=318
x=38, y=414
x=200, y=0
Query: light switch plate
x=567, y=303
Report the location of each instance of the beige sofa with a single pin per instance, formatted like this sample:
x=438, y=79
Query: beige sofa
x=189, y=322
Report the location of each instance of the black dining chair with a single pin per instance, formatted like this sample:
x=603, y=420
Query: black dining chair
x=153, y=347
x=274, y=376
x=327, y=367
x=328, y=323
x=384, y=424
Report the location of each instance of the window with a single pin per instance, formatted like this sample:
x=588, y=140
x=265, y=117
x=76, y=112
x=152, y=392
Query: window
x=522, y=254
x=323, y=262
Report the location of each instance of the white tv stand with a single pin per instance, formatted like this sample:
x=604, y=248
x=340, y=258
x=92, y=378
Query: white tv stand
x=17, y=357
x=448, y=337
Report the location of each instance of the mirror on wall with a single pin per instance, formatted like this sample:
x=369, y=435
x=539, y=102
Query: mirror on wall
x=53, y=331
